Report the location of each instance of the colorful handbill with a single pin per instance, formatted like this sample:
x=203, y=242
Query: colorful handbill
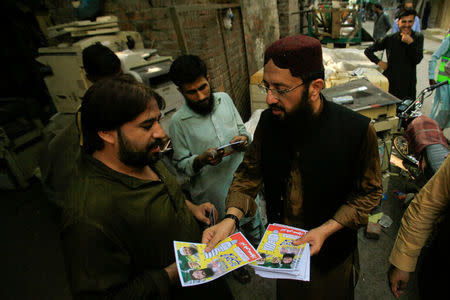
x=227, y=149
x=279, y=257
x=195, y=266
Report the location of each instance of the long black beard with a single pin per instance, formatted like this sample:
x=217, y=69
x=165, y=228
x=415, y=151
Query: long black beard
x=138, y=159
x=302, y=118
x=300, y=121
x=297, y=129
x=200, y=109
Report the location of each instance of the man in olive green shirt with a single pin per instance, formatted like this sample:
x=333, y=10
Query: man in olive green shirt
x=124, y=209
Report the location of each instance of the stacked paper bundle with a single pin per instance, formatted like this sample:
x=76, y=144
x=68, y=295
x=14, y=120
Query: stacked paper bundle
x=280, y=258
x=102, y=25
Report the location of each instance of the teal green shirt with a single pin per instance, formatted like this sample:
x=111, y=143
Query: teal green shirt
x=192, y=134
x=119, y=231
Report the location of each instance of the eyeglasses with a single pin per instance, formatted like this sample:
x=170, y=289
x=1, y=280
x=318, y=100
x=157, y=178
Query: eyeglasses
x=276, y=92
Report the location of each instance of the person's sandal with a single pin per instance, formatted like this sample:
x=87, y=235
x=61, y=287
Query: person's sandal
x=242, y=275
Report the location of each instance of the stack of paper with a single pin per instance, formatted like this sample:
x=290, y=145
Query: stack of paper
x=195, y=266
x=102, y=25
x=280, y=258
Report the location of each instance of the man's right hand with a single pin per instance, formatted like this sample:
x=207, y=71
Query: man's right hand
x=210, y=157
x=398, y=280
x=213, y=235
x=406, y=38
x=383, y=65
x=432, y=81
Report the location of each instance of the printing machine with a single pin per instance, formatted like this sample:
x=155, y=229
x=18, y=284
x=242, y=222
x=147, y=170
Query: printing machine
x=153, y=70
x=68, y=83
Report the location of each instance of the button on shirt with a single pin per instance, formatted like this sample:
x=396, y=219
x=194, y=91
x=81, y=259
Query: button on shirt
x=192, y=134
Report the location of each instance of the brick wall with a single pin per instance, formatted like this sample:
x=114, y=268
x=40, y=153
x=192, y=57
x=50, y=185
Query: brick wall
x=222, y=50
x=261, y=28
x=289, y=23
x=283, y=17
x=153, y=23
x=61, y=11
x=294, y=19
x=237, y=64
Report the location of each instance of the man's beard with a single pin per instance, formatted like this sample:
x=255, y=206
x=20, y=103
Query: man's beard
x=295, y=131
x=300, y=117
x=130, y=156
x=200, y=108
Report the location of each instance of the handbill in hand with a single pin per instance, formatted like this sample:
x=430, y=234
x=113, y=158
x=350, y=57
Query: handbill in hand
x=228, y=148
x=280, y=258
x=195, y=266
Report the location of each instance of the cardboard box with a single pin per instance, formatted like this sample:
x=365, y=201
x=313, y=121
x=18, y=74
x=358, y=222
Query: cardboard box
x=390, y=124
x=372, y=75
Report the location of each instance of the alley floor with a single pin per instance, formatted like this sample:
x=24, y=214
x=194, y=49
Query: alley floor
x=33, y=265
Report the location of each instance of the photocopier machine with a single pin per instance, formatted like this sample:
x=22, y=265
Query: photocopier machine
x=68, y=82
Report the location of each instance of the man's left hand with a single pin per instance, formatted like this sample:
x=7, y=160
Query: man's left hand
x=201, y=212
x=215, y=234
x=383, y=65
x=240, y=146
x=407, y=39
x=398, y=280
x=317, y=236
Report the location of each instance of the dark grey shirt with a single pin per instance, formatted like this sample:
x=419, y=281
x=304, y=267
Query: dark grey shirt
x=381, y=26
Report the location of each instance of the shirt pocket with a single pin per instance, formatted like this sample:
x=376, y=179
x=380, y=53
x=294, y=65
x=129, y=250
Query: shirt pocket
x=225, y=122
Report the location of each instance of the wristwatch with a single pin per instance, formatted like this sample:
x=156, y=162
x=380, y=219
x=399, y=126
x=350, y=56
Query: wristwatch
x=233, y=217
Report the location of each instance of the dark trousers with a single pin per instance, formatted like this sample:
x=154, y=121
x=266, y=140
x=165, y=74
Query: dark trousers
x=337, y=283
x=433, y=274
x=216, y=289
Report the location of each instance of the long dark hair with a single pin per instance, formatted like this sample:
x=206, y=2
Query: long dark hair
x=110, y=103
